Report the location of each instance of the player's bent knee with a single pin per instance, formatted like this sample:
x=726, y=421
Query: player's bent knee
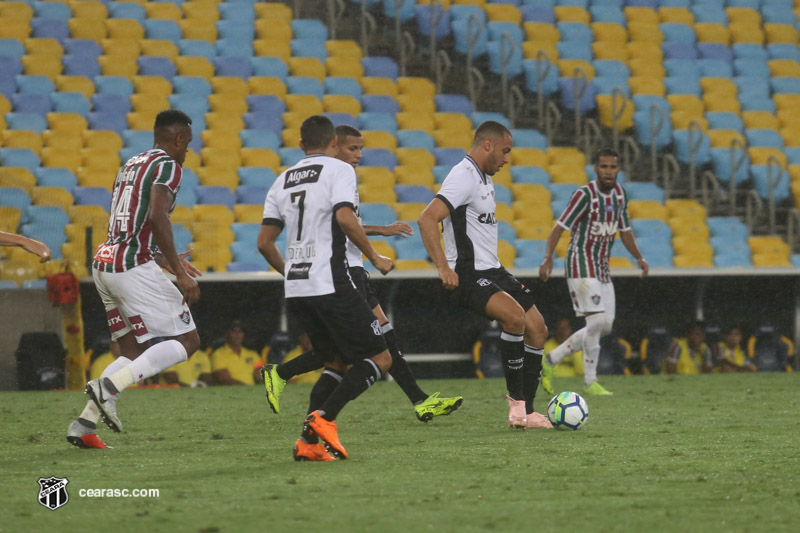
x=383, y=360
x=608, y=325
x=190, y=342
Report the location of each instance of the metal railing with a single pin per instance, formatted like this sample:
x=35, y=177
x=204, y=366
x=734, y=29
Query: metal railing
x=335, y=12
x=617, y=111
x=474, y=30
x=543, y=66
x=515, y=106
x=590, y=138
x=403, y=41
x=552, y=119
x=507, y=45
x=793, y=228
x=695, y=142
x=774, y=176
x=435, y=19
x=671, y=169
x=580, y=83
x=709, y=189
x=630, y=155
x=443, y=66
x=753, y=210
x=368, y=27
x=738, y=158
x=655, y=112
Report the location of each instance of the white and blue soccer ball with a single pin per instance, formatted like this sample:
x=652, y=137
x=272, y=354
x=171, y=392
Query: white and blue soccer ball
x=568, y=410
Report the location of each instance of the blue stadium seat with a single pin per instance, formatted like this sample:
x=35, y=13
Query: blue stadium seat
x=108, y=120
x=453, y=103
x=216, y=195
x=783, y=50
x=733, y=260
x=645, y=191
x=273, y=67
x=760, y=174
x=570, y=88
x=607, y=14
x=182, y=237
x=161, y=29
x=190, y=104
x=241, y=12
x=52, y=236
x=535, y=175
x=263, y=120
x=245, y=232
x=505, y=231
x=413, y=193
x=232, y=66
x=681, y=146
x=378, y=157
x=651, y=228
x=19, y=157
x=726, y=244
x=81, y=47
x=533, y=68
x=538, y=13
x=44, y=215
x=265, y=103
x=12, y=48
x=682, y=67
x=785, y=85
x=410, y=248
x=233, y=47
x=504, y=54
x=71, y=103
x=378, y=121
x=715, y=68
x=56, y=177
x=679, y=50
x=762, y=137
x=340, y=119
x=126, y=10
x=710, y=12
x=676, y=32
x=417, y=139
x=309, y=48
x=39, y=104
x=465, y=11
x=721, y=161
x=607, y=85
x=682, y=84
x=92, y=196
x=251, y=194
x=196, y=48
x=462, y=37
x=290, y=156
x=778, y=14
x=140, y=140
x=611, y=68
x=724, y=121
x=715, y=52
x=113, y=85
x=52, y=11
x=113, y=103
x=576, y=32
x=191, y=85
x=380, y=67
x=49, y=28
x=189, y=180
x=379, y=103
x=377, y=214
x=440, y=172
x=749, y=51
x=502, y=194
x=236, y=31
x=574, y=50
x=449, y=156
x=261, y=176
x=26, y=121
x=309, y=29
x=80, y=65
x=529, y=138
x=404, y=11
x=126, y=153
x=156, y=66
x=426, y=19
x=35, y=85
x=260, y=139
x=13, y=196
x=236, y=266
x=479, y=117
x=304, y=85
x=247, y=253
x=343, y=86
x=751, y=67
x=729, y=227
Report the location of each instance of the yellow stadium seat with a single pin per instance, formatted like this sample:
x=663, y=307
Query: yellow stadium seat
x=686, y=227
x=291, y=136
x=572, y=14
x=219, y=177
x=22, y=139
x=105, y=158
x=453, y=138
x=340, y=103
x=225, y=103
x=696, y=259
x=784, y=67
x=306, y=104
x=412, y=264
x=200, y=11
x=504, y=213
x=38, y=65
x=19, y=177
x=529, y=157
x=760, y=119
x=375, y=177
x=723, y=86
x=791, y=136
x=121, y=47
x=344, y=66
x=647, y=209
x=106, y=139
x=376, y=194
x=92, y=9
x=532, y=211
x=406, y=175
x=221, y=158
x=118, y=65
x=221, y=139
x=689, y=244
x=159, y=47
x=89, y=215
x=260, y=157
x=503, y=13
x=506, y=253
x=646, y=85
x=684, y=208
x=192, y=160
x=610, y=50
x=210, y=233
x=124, y=29
x=233, y=86
x=384, y=248
x=531, y=193
x=379, y=139
x=416, y=103
x=201, y=30
x=9, y=218
x=140, y=121
x=788, y=117
x=724, y=138
x=272, y=29
x=409, y=211
x=213, y=213
x=415, y=85
x=416, y=121
x=273, y=11
x=567, y=173
x=683, y=119
x=86, y=28
x=267, y=85
x=415, y=157
x=75, y=84
x=619, y=262
x=149, y=103
x=642, y=32
x=609, y=32
x=762, y=154
x=541, y=31
x=211, y=259
x=73, y=122
x=708, y=32
x=641, y=14
x=64, y=139
x=721, y=102
x=5, y=105
x=17, y=11
x=771, y=260
x=687, y=103
x=272, y=48
x=194, y=66
x=503, y=177
x=247, y=213
x=746, y=32
x=565, y=155
x=771, y=244
x=532, y=49
x=14, y=29
x=743, y=14
x=43, y=47
x=163, y=11
x=527, y=230
x=570, y=67
x=451, y=121
x=788, y=102
x=373, y=85
x=646, y=51
x=780, y=33
x=52, y=196
x=343, y=48
x=605, y=107
x=95, y=177
x=679, y=15
x=310, y=67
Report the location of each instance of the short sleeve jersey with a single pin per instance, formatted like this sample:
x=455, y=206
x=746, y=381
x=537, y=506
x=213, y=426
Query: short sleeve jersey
x=470, y=232
x=130, y=242
x=594, y=219
x=354, y=255
x=304, y=199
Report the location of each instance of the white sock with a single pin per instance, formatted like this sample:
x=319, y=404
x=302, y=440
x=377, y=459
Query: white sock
x=91, y=412
x=154, y=360
x=591, y=346
x=569, y=346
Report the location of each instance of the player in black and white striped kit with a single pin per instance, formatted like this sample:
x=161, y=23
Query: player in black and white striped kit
x=314, y=201
x=470, y=268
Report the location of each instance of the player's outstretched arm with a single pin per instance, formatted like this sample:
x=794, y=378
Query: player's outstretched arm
x=546, y=268
x=630, y=244
x=395, y=229
x=429, y=220
x=346, y=218
x=158, y=216
x=29, y=245
x=266, y=245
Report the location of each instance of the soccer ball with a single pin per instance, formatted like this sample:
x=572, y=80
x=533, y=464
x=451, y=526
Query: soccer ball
x=568, y=410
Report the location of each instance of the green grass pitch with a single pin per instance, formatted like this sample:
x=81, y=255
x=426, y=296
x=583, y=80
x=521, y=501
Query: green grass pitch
x=673, y=454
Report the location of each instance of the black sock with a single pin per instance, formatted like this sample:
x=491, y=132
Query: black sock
x=513, y=356
x=359, y=378
x=531, y=371
x=322, y=389
x=87, y=423
x=400, y=370
x=305, y=362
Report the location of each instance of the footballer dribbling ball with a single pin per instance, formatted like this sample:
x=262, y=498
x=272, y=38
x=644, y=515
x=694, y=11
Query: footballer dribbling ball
x=568, y=410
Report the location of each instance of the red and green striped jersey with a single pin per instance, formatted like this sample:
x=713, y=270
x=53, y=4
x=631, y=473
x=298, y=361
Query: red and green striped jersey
x=594, y=219
x=130, y=239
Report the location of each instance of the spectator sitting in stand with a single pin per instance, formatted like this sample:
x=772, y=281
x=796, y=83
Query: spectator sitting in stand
x=232, y=363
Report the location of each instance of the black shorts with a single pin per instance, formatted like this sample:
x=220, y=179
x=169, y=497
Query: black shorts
x=339, y=324
x=475, y=287
x=361, y=279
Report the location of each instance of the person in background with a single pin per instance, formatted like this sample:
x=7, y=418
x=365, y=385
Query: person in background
x=194, y=372
x=571, y=365
x=730, y=355
x=691, y=354
x=232, y=363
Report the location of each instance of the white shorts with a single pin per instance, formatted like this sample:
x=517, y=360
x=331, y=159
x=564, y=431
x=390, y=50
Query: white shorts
x=144, y=301
x=589, y=295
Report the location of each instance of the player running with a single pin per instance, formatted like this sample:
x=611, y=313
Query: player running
x=314, y=200
x=470, y=268
x=594, y=214
x=141, y=303
x=348, y=149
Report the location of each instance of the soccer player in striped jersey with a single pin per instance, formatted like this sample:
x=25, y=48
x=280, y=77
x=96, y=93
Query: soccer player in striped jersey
x=348, y=149
x=141, y=303
x=594, y=214
x=470, y=268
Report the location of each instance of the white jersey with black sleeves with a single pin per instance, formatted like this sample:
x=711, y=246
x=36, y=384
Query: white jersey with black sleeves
x=304, y=199
x=470, y=232
x=354, y=255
